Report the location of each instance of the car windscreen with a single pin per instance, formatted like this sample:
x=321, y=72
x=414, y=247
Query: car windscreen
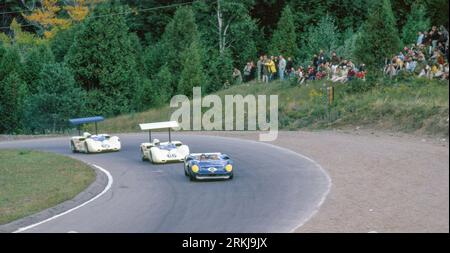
x=205, y=157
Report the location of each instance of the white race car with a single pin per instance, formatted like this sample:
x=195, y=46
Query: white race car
x=162, y=152
x=88, y=143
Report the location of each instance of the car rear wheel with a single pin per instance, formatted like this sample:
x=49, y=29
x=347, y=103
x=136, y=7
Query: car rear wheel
x=72, y=147
x=86, y=148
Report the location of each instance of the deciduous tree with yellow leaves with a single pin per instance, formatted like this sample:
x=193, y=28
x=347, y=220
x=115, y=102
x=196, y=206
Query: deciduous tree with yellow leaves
x=54, y=15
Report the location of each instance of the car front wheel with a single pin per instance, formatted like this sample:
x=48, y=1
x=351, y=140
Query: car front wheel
x=143, y=156
x=192, y=177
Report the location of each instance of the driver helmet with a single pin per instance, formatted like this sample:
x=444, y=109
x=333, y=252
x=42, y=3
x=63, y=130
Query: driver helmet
x=86, y=135
x=156, y=141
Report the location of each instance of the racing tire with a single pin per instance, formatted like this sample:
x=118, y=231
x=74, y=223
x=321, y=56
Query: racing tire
x=185, y=172
x=72, y=147
x=231, y=176
x=192, y=178
x=150, y=158
x=143, y=156
x=86, y=147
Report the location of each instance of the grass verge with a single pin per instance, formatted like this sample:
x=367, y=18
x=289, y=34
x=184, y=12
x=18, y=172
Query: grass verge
x=412, y=106
x=31, y=181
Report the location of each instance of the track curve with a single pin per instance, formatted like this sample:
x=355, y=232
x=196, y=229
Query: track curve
x=274, y=190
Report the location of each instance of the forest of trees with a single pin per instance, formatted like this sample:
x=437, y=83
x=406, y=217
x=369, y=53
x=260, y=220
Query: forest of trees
x=61, y=59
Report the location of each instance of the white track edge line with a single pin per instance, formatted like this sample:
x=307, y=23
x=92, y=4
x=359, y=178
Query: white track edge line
x=108, y=186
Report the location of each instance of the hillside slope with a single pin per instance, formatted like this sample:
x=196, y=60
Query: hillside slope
x=418, y=107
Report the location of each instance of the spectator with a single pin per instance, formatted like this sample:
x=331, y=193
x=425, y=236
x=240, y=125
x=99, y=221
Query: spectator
x=248, y=72
x=266, y=70
x=289, y=66
x=300, y=76
x=311, y=73
x=334, y=62
x=259, y=68
x=272, y=68
x=291, y=74
x=351, y=73
x=321, y=57
x=281, y=67
x=315, y=61
x=237, y=76
x=420, y=38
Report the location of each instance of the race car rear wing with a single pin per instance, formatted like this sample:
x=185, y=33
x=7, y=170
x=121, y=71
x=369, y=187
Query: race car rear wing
x=80, y=121
x=158, y=125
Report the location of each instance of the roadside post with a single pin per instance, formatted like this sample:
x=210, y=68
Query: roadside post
x=328, y=99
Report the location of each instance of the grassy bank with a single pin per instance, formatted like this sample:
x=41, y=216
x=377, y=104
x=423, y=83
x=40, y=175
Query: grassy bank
x=31, y=181
x=413, y=106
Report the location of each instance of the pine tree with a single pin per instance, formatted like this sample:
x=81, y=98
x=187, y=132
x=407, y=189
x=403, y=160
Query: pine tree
x=33, y=64
x=284, y=40
x=417, y=22
x=10, y=62
x=192, y=74
x=12, y=95
x=62, y=41
x=161, y=86
x=102, y=59
x=379, y=39
x=220, y=71
x=57, y=99
x=179, y=34
x=324, y=36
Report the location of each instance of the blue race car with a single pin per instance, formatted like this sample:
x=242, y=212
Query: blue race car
x=208, y=166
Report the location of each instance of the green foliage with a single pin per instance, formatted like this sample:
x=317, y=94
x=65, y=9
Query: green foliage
x=150, y=25
x=417, y=21
x=358, y=86
x=160, y=89
x=220, y=69
x=284, y=40
x=10, y=62
x=34, y=62
x=102, y=58
x=349, y=14
x=438, y=12
x=192, y=74
x=239, y=33
x=57, y=99
x=347, y=48
x=12, y=94
x=379, y=39
x=62, y=41
x=323, y=36
x=179, y=34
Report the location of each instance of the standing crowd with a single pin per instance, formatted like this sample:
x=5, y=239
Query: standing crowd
x=428, y=57
x=322, y=67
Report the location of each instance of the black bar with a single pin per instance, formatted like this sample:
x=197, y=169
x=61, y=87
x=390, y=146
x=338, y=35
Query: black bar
x=170, y=139
x=150, y=136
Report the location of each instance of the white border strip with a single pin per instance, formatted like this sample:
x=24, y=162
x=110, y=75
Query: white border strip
x=329, y=181
x=108, y=186
x=325, y=194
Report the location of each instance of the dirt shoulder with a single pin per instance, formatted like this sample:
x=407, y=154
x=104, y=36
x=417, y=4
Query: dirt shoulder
x=380, y=182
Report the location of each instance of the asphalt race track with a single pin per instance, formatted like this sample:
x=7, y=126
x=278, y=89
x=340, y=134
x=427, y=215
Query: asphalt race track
x=273, y=190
